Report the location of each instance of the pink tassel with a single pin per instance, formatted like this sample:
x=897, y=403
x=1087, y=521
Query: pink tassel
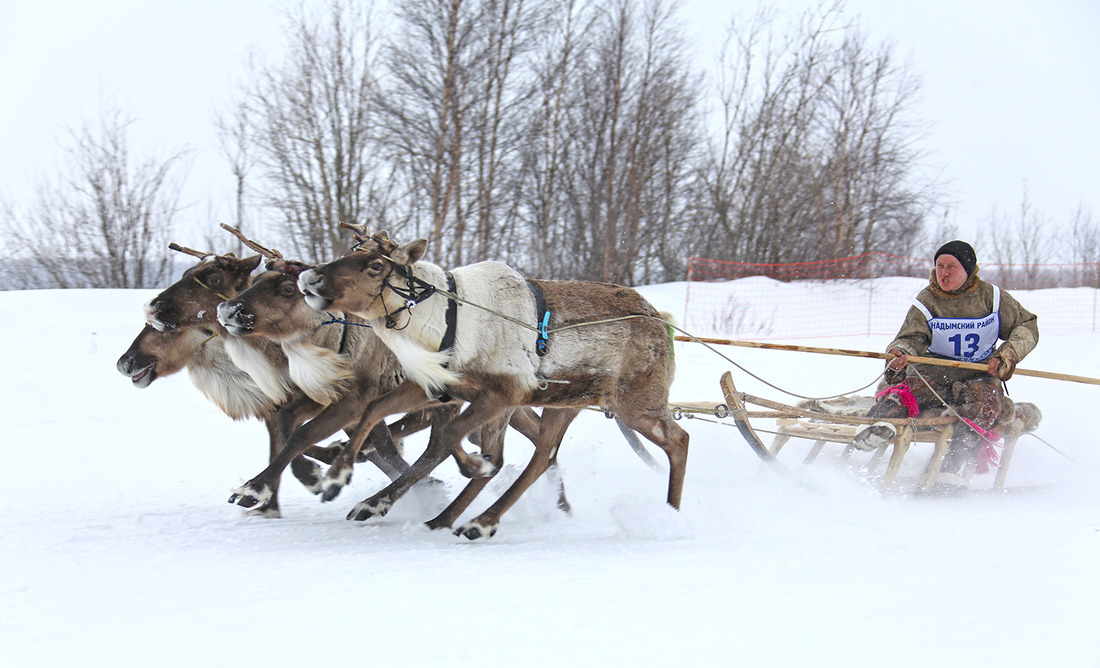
x=905, y=395
x=987, y=455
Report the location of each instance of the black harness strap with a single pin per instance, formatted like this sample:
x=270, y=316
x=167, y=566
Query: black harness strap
x=415, y=291
x=343, y=338
x=448, y=341
x=542, y=319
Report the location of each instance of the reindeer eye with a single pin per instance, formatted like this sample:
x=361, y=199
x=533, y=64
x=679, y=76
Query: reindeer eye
x=213, y=279
x=288, y=289
x=375, y=266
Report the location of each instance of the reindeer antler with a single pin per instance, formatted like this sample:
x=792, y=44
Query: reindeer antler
x=266, y=252
x=188, y=251
x=361, y=232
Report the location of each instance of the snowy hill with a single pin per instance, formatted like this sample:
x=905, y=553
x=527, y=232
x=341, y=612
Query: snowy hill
x=117, y=546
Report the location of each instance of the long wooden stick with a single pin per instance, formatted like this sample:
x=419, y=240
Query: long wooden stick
x=886, y=356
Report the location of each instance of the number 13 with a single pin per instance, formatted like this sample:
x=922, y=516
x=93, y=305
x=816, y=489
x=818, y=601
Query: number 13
x=972, y=341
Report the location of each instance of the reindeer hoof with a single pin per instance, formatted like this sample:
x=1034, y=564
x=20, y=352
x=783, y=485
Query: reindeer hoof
x=334, y=483
x=436, y=524
x=474, y=530
x=308, y=473
x=247, y=496
x=478, y=466
x=365, y=510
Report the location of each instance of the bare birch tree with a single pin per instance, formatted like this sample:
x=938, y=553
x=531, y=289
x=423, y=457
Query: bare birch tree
x=616, y=131
x=816, y=158
x=456, y=106
x=310, y=124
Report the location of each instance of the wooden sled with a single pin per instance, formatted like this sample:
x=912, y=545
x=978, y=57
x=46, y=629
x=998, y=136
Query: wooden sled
x=823, y=428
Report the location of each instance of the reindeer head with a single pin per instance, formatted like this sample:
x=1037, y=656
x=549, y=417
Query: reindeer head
x=355, y=283
x=154, y=354
x=273, y=307
x=191, y=301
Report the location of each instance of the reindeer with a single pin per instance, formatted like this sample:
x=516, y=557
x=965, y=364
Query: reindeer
x=155, y=354
x=274, y=308
x=191, y=303
x=609, y=348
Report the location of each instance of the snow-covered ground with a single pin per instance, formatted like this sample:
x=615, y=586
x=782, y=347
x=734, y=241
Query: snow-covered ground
x=117, y=546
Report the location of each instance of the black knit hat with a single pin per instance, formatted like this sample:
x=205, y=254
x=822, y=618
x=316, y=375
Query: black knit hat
x=961, y=251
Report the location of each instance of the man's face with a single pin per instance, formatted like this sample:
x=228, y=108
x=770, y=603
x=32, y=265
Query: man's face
x=949, y=273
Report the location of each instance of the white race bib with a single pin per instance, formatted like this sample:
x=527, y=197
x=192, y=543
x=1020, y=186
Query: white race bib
x=965, y=339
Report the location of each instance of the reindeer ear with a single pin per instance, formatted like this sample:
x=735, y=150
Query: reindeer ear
x=406, y=254
x=251, y=262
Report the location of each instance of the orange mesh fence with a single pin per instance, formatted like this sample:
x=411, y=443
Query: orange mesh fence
x=864, y=295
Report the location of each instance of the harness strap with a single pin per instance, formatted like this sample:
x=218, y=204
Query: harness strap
x=343, y=338
x=448, y=341
x=415, y=291
x=542, y=318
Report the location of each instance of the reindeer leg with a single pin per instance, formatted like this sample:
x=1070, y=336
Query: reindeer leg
x=383, y=452
x=670, y=437
x=552, y=429
x=270, y=507
x=380, y=503
x=289, y=417
x=412, y=423
x=555, y=474
x=261, y=488
x=403, y=398
x=492, y=446
x=478, y=413
x=526, y=421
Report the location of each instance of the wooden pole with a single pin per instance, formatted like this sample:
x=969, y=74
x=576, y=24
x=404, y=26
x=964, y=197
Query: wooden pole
x=885, y=356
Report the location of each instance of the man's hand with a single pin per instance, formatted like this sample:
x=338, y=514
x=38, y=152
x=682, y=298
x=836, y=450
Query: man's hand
x=899, y=361
x=895, y=368
x=1003, y=362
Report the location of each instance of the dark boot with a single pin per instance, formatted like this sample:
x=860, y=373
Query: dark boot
x=963, y=448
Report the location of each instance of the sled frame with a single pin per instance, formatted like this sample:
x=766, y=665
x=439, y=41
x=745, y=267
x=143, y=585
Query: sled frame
x=824, y=428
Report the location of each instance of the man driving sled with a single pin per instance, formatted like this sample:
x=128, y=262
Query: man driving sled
x=961, y=317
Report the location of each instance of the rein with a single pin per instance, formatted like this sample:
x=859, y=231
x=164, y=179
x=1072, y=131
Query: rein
x=216, y=293
x=333, y=320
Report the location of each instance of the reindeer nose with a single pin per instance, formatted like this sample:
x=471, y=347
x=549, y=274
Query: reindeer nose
x=229, y=311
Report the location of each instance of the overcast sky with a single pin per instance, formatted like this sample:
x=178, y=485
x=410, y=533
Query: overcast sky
x=1010, y=86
